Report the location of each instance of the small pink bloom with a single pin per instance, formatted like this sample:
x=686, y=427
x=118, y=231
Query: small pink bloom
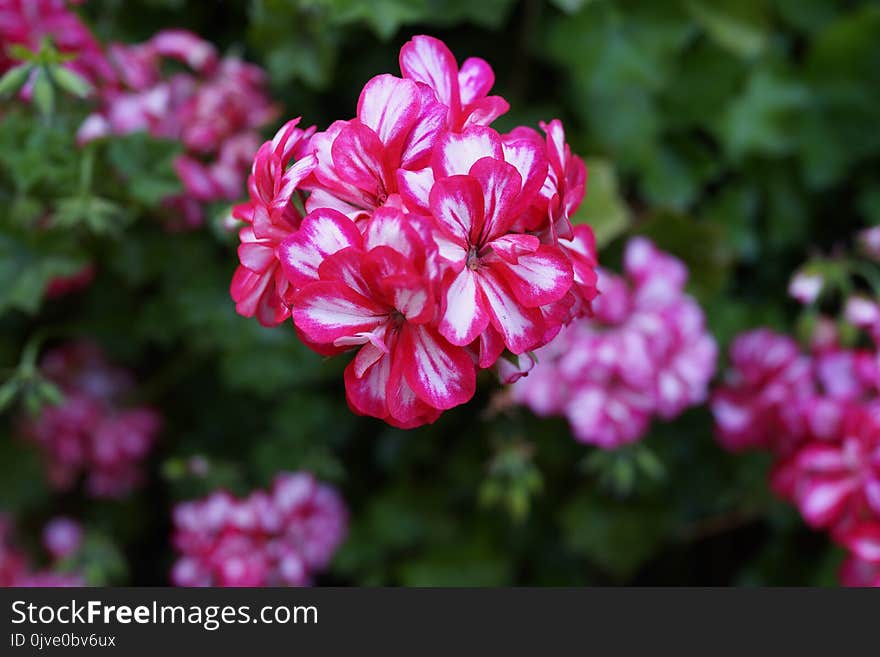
x=806, y=287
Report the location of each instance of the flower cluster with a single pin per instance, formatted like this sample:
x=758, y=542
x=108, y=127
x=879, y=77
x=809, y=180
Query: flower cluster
x=61, y=539
x=28, y=22
x=818, y=413
x=418, y=236
x=91, y=433
x=282, y=537
x=644, y=352
x=214, y=108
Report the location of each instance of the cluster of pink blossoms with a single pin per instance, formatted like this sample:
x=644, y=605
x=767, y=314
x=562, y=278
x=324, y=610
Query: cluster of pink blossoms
x=818, y=413
x=418, y=236
x=61, y=539
x=214, y=108
x=91, y=434
x=644, y=352
x=282, y=537
x=28, y=22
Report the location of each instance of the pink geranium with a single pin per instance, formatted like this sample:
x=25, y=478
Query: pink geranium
x=431, y=243
x=214, y=109
x=644, y=352
x=282, y=537
x=91, y=434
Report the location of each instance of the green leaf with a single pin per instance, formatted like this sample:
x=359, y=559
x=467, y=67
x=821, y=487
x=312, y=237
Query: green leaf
x=14, y=79
x=603, y=208
x=44, y=93
x=740, y=26
x=71, y=81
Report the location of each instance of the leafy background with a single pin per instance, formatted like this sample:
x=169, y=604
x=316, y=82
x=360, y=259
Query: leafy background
x=741, y=135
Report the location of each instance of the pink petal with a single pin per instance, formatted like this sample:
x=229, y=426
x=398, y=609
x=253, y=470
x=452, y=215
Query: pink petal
x=475, y=79
x=455, y=153
x=366, y=394
x=357, y=156
x=390, y=227
x=457, y=206
x=421, y=139
x=256, y=256
x=530, y=160
x=464, y=310
x=328, y=310
x=501, y=185
x=511, y=247
x=521, y=327
x=428, y=60
x=390, y=107
x=484, y=111
x=822, y=501
x=415, y=188
x=321, y=234
x=441, y=375
x=539, y=278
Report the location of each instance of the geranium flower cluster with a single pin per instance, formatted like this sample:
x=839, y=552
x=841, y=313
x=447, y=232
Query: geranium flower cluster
x=282, y=537
x=644, y=352
x=818, y=413
x=417, y=236
x=61, y=539
x=91, y=434
x=214, y=108
x=28, y=22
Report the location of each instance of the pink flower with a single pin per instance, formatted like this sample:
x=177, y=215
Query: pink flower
x=358, y=161
x=278, y=538
x=28, y=22
x=214, y=109
x=62, y=537
x=767, y=374
x=259, y=286
x=860, y=573
x=806, y=287
x=63, y=285
x=870, y=242
x=89, y=433
x=372, y=292
x=644, y=352
x=463, y=92
x=432, y=243
x=15, y=566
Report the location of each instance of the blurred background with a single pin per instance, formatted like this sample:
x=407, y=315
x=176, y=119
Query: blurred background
x=741, y=136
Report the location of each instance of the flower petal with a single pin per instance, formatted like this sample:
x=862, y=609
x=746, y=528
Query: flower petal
x=464, y=309
x=322, y=233
x=501, y=185
x=538, y=278
x=475, y=79
x=521, y=327
x=457, y=206
x=328, y=310
x=390, y=107
x=456, y=152
x=428, y=60
x=441, y=375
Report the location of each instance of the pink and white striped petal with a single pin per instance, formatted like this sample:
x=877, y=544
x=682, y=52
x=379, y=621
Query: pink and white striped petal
x=456, y=152
x=475, y=79
x=457, y=206
x=358, y=158
x=322, y=233
x=538, y=278
x=415, y=188
x=428, y=60
x=521, y=327
x=464, y=314
x=390, y=107
x=441, y=375
x=500, y=183
x=329, y=310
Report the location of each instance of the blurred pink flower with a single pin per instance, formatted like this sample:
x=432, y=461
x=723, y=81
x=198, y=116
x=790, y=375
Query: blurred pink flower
x=282, y=537
x=90, y=433
x=645, y=352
